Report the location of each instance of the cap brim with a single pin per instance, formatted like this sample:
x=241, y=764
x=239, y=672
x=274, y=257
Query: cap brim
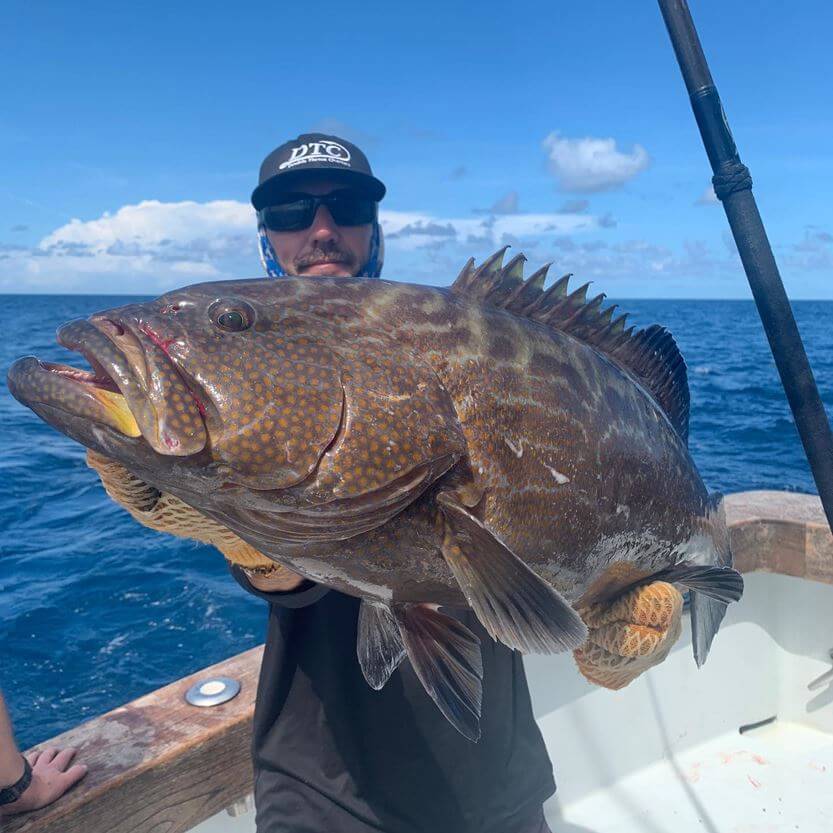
x=280, y=184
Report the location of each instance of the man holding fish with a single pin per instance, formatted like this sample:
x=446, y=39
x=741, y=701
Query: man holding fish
x=330, y=753
x=340, y=439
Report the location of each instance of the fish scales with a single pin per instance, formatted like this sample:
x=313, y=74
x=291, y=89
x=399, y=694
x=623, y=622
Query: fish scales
x=574, y=412
x=492, y=444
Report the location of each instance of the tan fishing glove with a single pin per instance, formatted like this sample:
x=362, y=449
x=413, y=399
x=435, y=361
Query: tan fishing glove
x=630, y=634
x=166, y=513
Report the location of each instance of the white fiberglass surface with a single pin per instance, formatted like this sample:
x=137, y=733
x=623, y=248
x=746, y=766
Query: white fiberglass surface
x=666, y=753
x=778, y=778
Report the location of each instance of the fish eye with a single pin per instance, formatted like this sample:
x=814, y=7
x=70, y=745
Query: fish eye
x=232, y=320
x=231, y=316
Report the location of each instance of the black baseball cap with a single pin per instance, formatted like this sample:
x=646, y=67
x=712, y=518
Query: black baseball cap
x=314, y=155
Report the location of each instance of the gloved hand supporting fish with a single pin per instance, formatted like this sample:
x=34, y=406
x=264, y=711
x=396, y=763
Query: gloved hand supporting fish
x=495, y=444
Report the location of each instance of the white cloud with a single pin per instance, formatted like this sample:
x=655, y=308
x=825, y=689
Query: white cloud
x=145, y=247
x=151, y=222
x=155, y=246
x=408, y=230
x=589, y=164
x=812, y=254
x=708, y=197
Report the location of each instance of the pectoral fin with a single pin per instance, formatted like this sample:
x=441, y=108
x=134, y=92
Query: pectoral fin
x=515, y=605
x=379, y=644
x=445, y=655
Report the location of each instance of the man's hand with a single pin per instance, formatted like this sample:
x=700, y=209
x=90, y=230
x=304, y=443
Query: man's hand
x=51, y=778
x=630, y=635
x=166, y=513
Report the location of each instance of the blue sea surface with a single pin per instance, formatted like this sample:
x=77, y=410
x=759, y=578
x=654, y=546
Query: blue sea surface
x=96, y=610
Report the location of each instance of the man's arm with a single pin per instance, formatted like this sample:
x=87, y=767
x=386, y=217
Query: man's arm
x=50, y=776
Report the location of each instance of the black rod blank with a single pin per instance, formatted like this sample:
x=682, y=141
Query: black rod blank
x=733, y=186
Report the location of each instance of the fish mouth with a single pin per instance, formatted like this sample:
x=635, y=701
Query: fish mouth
x=127, y=389
x=78, y=392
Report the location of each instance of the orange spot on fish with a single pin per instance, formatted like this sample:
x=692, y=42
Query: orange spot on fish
x=163, y=344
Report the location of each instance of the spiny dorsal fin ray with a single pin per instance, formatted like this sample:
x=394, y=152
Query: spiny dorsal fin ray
x=465, y=274
x=523, y=295
x=549, y=298
x=651, y=355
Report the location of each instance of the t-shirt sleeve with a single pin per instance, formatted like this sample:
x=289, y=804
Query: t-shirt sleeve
x=305, y=594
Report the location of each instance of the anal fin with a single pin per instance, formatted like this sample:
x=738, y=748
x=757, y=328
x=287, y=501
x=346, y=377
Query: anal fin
x=446, y=657
x=378, y=643
x=514, y=604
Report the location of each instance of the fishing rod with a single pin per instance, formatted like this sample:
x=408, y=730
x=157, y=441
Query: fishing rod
x=733, y=187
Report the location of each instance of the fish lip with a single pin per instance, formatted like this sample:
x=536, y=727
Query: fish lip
x=22, y=381
x=131, y=337
x=141, y=331
x=128, y=371
x=123, y=376
x=97, y=378
x=201, y=399
x=112, y=369
x=136, y=362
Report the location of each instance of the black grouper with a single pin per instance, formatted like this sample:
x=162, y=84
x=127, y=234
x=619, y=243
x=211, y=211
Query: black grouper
x=494, y=444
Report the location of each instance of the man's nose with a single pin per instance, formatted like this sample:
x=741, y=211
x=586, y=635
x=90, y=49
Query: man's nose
x=324, y=227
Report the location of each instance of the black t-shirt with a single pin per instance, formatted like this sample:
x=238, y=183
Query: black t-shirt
x=331, y=755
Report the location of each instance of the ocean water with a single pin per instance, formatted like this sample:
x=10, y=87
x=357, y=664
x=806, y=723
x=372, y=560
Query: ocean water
x=96, y=610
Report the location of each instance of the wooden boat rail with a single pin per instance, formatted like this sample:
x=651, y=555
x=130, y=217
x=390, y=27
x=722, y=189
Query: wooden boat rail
x=160, y=764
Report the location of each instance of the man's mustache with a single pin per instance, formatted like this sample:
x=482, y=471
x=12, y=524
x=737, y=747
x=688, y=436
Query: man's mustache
x=331, y=254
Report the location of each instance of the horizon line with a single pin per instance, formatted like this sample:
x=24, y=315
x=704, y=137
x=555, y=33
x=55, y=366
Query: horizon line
x=607, y=298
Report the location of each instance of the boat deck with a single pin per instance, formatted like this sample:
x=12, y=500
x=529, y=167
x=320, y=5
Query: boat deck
x=775, y=778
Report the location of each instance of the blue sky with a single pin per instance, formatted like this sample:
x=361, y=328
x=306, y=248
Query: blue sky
x=131, y=137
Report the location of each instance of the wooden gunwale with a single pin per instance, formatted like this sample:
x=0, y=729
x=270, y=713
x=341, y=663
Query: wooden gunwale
x=160, y=764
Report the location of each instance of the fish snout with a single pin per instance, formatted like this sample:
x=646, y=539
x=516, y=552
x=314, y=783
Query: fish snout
x=176, y=425
x=111, y=367
x=19, y=378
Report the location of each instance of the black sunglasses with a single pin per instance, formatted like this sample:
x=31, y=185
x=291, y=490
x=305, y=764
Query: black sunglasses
x=298, y=211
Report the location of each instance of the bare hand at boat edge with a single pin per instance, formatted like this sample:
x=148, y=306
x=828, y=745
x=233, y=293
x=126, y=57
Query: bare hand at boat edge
x=52, y=774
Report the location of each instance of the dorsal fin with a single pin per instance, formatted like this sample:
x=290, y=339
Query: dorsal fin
x=651, y=355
